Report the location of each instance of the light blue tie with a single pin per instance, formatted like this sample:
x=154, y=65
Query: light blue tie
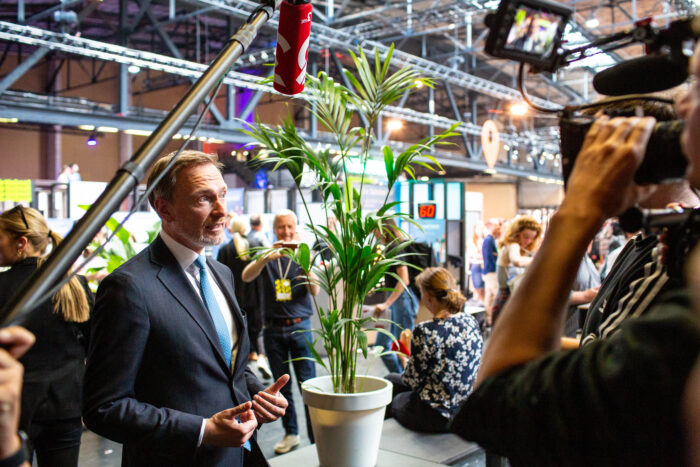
x=214, y=310
x=216, y=315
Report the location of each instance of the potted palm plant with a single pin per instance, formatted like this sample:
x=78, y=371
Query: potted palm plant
x=358, y=263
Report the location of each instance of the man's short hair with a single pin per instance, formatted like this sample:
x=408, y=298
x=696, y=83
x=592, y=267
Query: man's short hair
x=166, y=186
x=285, y=213
x=255, y=220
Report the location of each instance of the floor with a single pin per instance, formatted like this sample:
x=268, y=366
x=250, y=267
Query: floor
x=97, y=451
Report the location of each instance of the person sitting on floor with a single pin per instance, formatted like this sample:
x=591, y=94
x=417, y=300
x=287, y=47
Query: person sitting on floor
x=445, y=356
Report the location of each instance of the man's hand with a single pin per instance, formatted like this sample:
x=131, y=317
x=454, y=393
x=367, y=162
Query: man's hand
x=15, y=342
x=601, y=183
x=584, y=296
x=589, y=294
x=230, y=427
x=379, y=309
x=269, y=405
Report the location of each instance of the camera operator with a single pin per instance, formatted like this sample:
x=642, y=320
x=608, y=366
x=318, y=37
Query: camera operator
x=616, y=401
x=639, y=276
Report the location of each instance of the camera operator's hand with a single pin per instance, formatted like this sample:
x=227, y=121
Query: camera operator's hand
x=15, y=341
x=601, y=183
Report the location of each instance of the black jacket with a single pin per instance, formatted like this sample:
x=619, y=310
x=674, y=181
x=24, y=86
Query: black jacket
x=54, y=367
x=155, y=368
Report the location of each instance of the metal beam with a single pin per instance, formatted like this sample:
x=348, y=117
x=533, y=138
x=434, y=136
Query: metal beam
x=49, y=11
x=455, y=110
x=55, y=111
x=327, y=37
x=46, y=110
x=250, y=106
x=143, y=7
x=22, y=68
x=114, y=53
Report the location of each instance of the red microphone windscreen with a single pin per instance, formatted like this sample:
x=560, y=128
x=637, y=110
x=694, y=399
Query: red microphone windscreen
x=292, y=47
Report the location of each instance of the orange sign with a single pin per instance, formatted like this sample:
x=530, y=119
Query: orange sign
x=490, y=142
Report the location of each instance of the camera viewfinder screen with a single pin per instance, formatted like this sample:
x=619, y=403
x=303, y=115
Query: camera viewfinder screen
x=533, y=31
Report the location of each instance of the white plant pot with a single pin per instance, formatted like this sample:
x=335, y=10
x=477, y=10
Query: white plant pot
x=347, y=427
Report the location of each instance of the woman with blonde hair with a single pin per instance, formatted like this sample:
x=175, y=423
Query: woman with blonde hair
x=54, y=367
x=515, y=252
x=445, y=357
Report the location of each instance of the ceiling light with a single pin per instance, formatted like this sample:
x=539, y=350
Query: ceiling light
x=133, y=69
x=394, y=125
x=87, y=127
x=91, y=141
x=107, y=129
x=592, y=22
x=518, y=109
x=138, y=132
x=418, y=83
x=264, y=55
x=8, y=120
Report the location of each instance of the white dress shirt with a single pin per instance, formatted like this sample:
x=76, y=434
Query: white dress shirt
x=185, y=258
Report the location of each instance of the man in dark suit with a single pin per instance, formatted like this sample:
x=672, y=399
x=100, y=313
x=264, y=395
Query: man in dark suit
x=166, y=368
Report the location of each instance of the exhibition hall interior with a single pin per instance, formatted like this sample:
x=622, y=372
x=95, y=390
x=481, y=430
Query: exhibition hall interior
x=349, y=233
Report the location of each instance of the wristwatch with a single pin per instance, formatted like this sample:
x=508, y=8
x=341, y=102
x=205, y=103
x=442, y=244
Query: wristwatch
x=20, y=456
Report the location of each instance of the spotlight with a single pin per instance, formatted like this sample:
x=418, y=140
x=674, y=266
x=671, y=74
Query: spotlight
x=394, y=125
x=133, y=69
x=592, y=22
x=518, y=109
x=91, y=141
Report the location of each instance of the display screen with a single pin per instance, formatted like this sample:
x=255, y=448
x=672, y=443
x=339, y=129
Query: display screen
x=533, y=31
x=426, y=211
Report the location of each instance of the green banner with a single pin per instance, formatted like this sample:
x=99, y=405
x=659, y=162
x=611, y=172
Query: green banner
x=15, y=190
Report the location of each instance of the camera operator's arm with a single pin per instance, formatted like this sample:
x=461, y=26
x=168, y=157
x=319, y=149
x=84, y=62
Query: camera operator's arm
x=15, y=341
x=600, y=186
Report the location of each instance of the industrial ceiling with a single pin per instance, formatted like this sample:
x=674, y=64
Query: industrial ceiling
x=169, y=42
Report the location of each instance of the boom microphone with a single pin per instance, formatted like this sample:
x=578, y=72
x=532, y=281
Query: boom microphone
x=292, y=46
x=650, y=73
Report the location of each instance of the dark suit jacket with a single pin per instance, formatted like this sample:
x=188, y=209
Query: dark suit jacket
x=55, y=365
x=155, y=368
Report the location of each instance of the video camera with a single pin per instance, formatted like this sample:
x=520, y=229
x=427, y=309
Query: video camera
x=531, y=31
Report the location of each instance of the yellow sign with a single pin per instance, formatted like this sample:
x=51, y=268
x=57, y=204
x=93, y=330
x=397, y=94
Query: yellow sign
x=15, y=190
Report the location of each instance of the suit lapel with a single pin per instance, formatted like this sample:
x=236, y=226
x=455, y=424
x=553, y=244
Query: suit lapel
x=174, y=280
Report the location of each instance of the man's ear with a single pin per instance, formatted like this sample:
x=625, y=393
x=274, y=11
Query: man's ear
x=163, y=208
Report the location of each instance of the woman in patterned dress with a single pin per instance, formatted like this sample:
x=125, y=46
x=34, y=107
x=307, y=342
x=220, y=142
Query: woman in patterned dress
x=445, y=356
